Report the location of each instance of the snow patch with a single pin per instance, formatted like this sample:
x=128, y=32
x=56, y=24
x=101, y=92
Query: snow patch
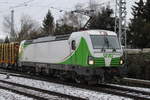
x=91, y=95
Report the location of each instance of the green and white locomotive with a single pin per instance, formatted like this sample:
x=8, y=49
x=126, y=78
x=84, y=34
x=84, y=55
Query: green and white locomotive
x=91, y=55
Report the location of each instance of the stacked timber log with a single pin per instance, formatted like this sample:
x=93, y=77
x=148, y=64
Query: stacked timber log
x=9, y=53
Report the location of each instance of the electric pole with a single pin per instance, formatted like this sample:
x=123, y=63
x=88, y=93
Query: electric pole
x=12, y=32
x=92, y=4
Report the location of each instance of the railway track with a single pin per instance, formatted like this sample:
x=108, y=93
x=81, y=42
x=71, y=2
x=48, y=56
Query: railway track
x=36, y=93
x=118, y=90
x=105, y=88
x=125, y=92
x=139, y=82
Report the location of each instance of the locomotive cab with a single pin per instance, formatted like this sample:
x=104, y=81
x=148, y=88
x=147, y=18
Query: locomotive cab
x=99, y=52
x=103, y=47
x=106, y=47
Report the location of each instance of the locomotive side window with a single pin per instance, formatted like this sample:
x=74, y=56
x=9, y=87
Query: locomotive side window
x=73, y=44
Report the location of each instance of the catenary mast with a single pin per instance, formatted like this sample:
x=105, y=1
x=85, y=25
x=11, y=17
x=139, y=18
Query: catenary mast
x=120, y=23
x=120, y=20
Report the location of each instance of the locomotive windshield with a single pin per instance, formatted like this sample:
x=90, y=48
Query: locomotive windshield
x=105, y=42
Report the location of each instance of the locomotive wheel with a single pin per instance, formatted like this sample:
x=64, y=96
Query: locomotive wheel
x=79, y=79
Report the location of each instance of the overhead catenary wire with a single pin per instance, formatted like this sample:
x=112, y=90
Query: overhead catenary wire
x=16, y=6
x=21, y=4
x=25, y=4
x=5, y=3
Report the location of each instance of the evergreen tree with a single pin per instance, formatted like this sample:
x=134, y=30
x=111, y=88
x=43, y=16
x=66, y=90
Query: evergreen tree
x=6, y=40
x=146, y=37
x=48, y=24
x=64, y=29
x=147, y=11
x=136, y=35
x=103, y=20
x=138, y=10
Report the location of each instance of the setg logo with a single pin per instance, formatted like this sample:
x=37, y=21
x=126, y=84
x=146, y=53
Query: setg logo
x=108, y=55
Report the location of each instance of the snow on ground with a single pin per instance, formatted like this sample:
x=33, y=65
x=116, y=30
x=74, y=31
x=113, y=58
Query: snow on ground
x=90, y=95
x=7, y=95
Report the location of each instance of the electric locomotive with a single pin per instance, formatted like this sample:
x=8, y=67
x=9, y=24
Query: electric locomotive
x=86, y=56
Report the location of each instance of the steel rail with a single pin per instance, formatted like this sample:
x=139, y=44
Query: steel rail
x=34, y=92
x=105, y=88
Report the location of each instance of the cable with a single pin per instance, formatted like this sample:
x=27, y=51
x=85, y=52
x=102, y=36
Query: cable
x=21, y=4
x=13, y=7
x=7, y=2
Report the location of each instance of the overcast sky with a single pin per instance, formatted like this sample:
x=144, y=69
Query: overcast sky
x=37, y=9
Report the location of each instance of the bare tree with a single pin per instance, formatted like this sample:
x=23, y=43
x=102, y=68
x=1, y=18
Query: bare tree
x=7, y=24
x=71, y=19
x=29, y=28
x=7, y=27
x=74, y=18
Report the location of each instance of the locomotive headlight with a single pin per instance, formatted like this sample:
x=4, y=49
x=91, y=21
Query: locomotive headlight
x=90, y=61
x=121, y=62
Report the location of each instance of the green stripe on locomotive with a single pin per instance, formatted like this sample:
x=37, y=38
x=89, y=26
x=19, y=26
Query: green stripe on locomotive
x=82, y=53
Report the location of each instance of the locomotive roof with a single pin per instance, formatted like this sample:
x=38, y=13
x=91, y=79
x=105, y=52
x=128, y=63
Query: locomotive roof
x=65, y=37
x=99, y=32
x=49, y=38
